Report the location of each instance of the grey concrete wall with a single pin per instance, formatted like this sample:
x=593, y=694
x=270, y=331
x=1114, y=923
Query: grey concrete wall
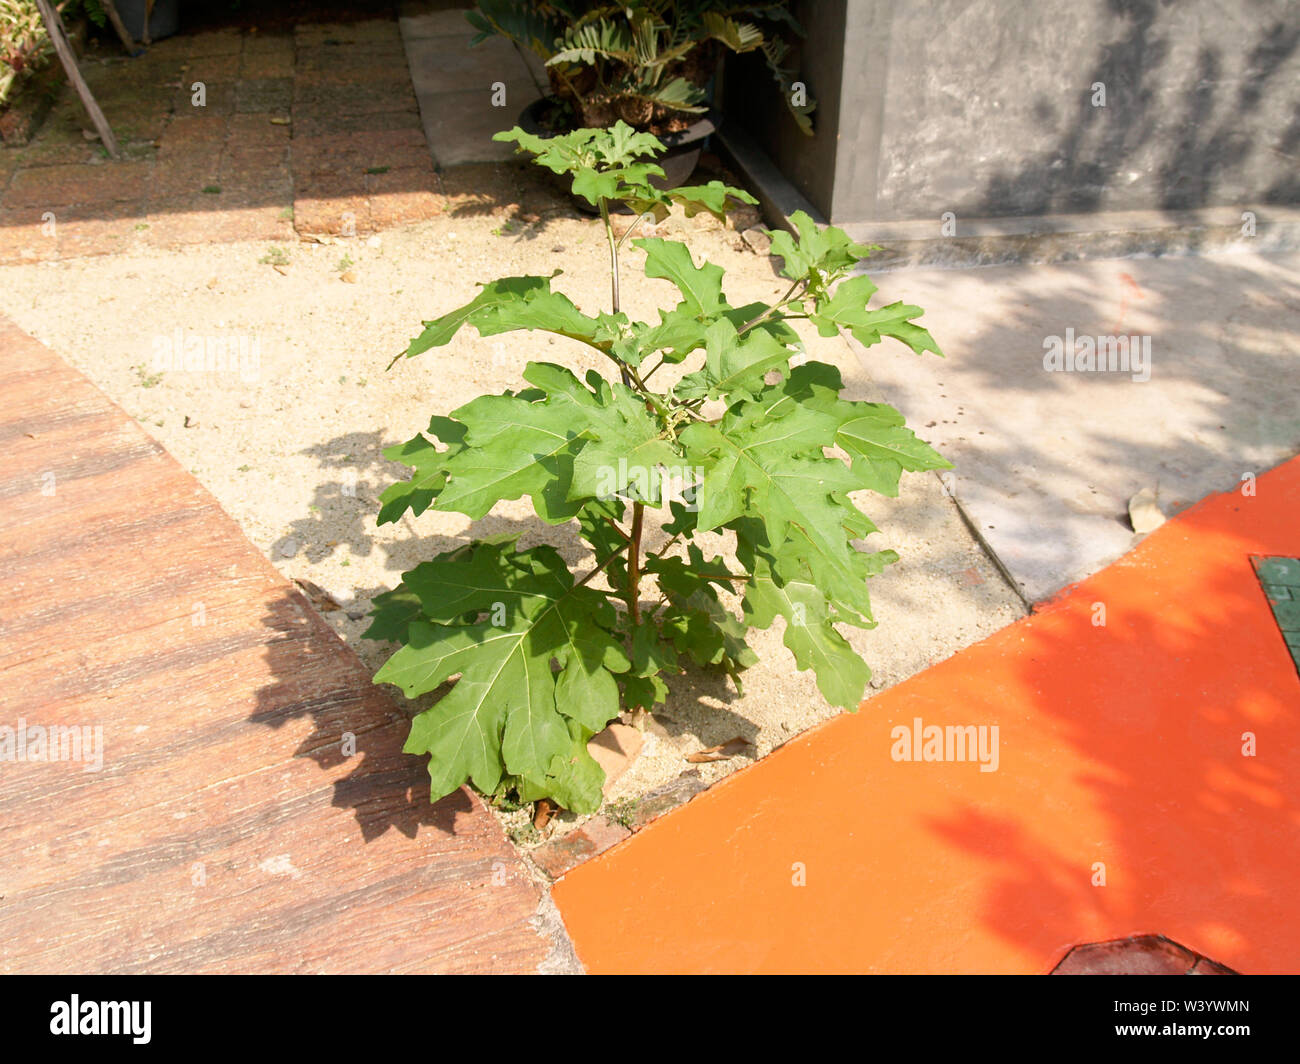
x=752, y=98
x=984, y=107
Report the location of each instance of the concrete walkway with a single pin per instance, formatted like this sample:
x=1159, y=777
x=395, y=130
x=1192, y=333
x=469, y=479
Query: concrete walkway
x=235, y=798
x=1147, y=728
x=1046, y=461
x=466, y=94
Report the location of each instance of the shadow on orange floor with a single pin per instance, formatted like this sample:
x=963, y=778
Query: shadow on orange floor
x=1120, y=754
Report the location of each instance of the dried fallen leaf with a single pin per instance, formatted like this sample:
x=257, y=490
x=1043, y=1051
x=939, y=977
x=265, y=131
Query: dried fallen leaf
x=349, y=276
x=320, y=598
x=543, y=810
x=721, y=752
x=283, y=271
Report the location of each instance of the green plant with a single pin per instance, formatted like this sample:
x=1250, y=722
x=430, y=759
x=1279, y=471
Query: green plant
x=275, y=256
x=525, y=835
x=736, y=445
x=147, y=379
x=647, y=62
x=25, y=47
x=622, y=812
x=92, y=9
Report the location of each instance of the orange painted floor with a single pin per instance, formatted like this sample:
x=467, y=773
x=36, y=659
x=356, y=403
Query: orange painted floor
x=1119, y=746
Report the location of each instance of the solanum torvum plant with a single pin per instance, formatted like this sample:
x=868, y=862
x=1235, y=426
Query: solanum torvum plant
x=744, y=443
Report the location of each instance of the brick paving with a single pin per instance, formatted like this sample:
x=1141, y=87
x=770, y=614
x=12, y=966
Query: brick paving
x=313, y=131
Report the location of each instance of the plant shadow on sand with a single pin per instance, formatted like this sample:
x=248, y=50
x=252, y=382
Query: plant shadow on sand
x=385, y=787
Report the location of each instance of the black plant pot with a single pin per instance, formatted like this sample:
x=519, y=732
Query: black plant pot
x=684, y=148
x=678, y=162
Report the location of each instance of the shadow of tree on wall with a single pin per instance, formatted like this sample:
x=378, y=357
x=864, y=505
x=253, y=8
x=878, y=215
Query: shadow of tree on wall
x=1091, y=156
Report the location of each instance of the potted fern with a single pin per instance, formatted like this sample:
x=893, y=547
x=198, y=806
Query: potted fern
x=648, y=63
x=732, y=437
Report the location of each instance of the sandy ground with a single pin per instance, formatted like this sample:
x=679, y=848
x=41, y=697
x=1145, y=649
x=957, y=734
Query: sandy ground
x=290, y=441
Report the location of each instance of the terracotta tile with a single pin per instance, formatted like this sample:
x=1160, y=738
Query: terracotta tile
x=402, y=207
x=194, y=129
x=329, y=66
x=56, y=147
x=265, y=95
x=254, y=187
x=25, y=238
x=323, y=184
x=560, y=855
x=257, y=129
x=368, y=32
x=141, y=127
x=361, y=151
x=183, y=153
x=100, y=236
x=666, y=797
x=312, y=124
x=183, y=179
x=259, y=44
x=333, y=215
x=213, y=69
x=240, y=158
x=198, y=221
x=322, y=100
x=54, y=186
x=271, y=64
x=213, y=43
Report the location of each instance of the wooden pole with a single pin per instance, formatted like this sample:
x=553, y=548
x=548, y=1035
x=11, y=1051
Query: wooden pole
x=110, y=9
x=54, y=27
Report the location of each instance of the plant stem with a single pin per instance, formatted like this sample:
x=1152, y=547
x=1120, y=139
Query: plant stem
x=639, y=219
x=613, y=253
x=634, y=565
x=613, y=275
x=600, y=568
x=628, y=375
x=770, y=310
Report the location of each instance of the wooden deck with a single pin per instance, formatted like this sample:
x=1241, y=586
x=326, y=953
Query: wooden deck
x=226, y=831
